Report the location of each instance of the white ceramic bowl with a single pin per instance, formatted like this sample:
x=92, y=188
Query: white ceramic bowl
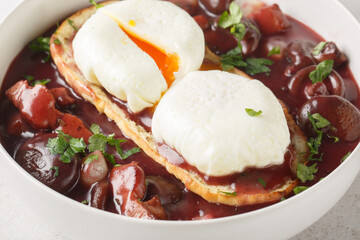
x=279, y=221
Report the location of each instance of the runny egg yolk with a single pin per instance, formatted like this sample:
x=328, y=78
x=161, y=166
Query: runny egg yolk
x=167, y=63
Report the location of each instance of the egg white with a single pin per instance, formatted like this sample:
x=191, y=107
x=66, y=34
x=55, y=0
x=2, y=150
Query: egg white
x=203, y=118
x=107, y=56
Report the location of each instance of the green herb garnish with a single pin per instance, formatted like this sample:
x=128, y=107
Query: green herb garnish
x=234, y=57
x=318, y=122
x=274, y=50
x=258, y=65
x=322, y=71
x=282, y=199
x=228, y=193
x=305, y=173
x=231, y=18
x=231, y=59
x=66, y=145
x=91, y=158
x=317, y=50
x=346, y=156
x=262, y=182
x=71, y=23
x=31, y=80
x=41, y=45
x=85, y=202
x=97, y=6
x=56, y=169
x=98, y=141
x=57, y=41
x=299, y=189
x=41, y=82
x=252, y=112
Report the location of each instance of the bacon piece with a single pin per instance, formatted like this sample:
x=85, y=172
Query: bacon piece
x=128, y=183
x=271, y=20
x=62, y=96
x=73, y=126
x=17, y=125
x=36, y=104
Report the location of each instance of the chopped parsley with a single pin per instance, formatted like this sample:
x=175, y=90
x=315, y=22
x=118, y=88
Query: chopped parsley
x=252, y=112
x=231, y=59
x=99, y=141
x=97, y=6
x=258, y=65
x=306, y=173
x=91, y=158
x=318, y=122
x=56, y=169
x=31, y=80
x=231, y=18
x=66, y=145
x=57, y=41
x=322, y=71
x=229, y=193
x=85, y=202
x=234, y=57
x=273, y=51
x=262, y=182
x=346, y=156
x=41, y=45
x=317, y=50
x=71, y=23
x=299, y=189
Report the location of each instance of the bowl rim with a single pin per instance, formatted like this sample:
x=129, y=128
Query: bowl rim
x=193, y=223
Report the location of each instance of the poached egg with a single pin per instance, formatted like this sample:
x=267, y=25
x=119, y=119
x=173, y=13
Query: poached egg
x=204, y=118
x=135, y=49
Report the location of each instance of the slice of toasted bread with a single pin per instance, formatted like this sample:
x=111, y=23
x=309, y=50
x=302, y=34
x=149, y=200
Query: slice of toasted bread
x=62, y=55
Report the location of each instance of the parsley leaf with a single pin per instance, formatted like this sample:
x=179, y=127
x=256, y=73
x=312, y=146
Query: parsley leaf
x=346, y=156
x=110, y=158
x=91, y=158
x=252, y=112
x=299, y=189
x=41, y=82
x=318, y=122
x=31, y=80
x=231, y=59
x=65, y=145
x=262, y=182
x=228, y=193
x=57, y=145
x=71, y=23
x=56, y=169
x=41, y=45
x=238, y=30
x=274, y=50
x=229, y=19
x=305, y=173
x=258, y=65
x=97, y=6
x=322, y=71
x=57, y=41
x=97, y=142
x=94, y=128
x=321, y=122
x=317, y=50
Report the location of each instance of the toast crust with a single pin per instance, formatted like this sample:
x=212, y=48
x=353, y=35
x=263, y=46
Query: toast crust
x=62, y=55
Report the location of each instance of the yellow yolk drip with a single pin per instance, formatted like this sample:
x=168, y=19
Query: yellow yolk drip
x=167, y=63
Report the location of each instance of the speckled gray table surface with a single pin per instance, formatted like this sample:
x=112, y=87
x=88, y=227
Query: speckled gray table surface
x=17, y=222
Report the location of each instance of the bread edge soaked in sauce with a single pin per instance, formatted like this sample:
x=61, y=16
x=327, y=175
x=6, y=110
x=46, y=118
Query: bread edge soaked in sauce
x=63, y=58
